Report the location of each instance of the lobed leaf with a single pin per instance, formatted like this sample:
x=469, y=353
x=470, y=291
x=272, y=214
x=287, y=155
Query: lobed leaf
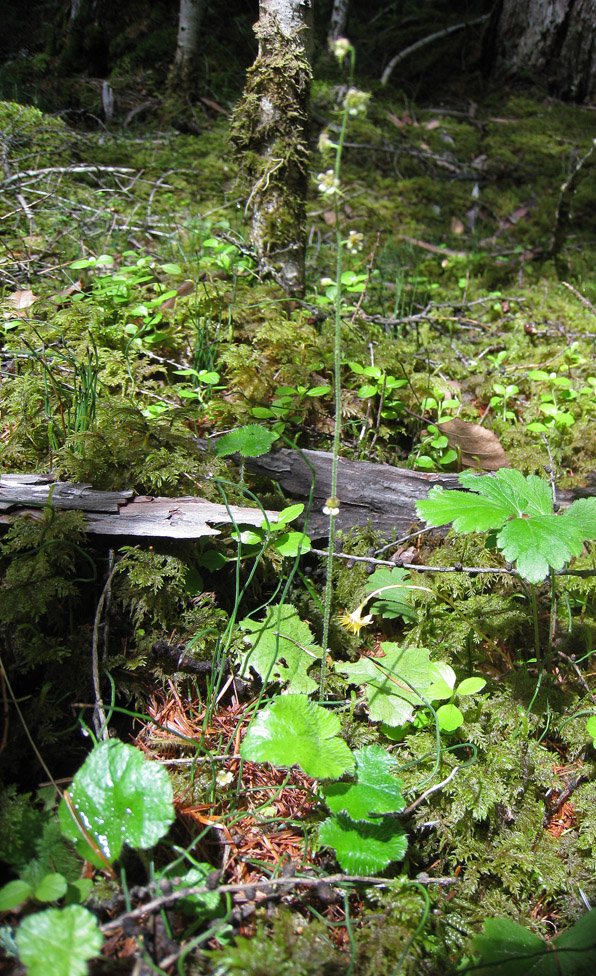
x=363, y=848
x=282, y=648
x=374, y=791
x=294, y=731
x=58, y=941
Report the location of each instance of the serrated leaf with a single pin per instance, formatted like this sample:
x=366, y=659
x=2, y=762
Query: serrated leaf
x=536, y=544
x=583, y=512
x=363, y=848
x=282, y=648
x=58, y=941
x=375, y=790
x=387, y=682
x=121, y=798
x=250, y=441
x=294, y=731
x=521, y=508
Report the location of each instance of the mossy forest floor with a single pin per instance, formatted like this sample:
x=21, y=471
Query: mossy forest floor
x=109, y=381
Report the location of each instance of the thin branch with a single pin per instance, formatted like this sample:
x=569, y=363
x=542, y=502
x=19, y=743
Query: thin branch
x=428, y=40
x=16, y=177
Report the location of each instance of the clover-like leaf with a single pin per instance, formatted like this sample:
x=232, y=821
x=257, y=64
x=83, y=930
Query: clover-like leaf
x=294, y=731
x=120, y=798
x=249, y=441
x=282, y=648
x=449, y=717
x=374, y=791
x=363, y=848
x=58, y=941
x=394, y=684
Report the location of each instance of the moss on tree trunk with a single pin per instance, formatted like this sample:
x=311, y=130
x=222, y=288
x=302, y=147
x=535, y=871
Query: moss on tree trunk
x=270, y=135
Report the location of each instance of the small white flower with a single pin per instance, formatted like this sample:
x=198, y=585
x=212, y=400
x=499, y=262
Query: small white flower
x=327, y=182
x=325, y=144
x=354, y=241
x=340, y=47
x=224, y=778
x=331, y=506
x=356, y=101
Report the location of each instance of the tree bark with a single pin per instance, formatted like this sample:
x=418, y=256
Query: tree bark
x=553, y=41
x=270, y=134
x=189, y=24
x=339, y=19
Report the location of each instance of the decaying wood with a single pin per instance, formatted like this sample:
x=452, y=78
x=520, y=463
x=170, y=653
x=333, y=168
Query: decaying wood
x=372, y=494
x=377, y=495
x=117, y=513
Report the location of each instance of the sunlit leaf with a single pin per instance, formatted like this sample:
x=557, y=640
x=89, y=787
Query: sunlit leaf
x=120, y=798
x=363, y=848
x=294, y=731
x=58, y=941
x=282, y=648
x=394, y=684
x=375, y=789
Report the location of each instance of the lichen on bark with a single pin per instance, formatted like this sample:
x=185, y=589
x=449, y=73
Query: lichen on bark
x=270, y=135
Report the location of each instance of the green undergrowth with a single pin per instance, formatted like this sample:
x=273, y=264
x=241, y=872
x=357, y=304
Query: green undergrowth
x=136, y=335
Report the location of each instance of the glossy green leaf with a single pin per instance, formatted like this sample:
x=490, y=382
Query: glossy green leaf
x=375, y=789
x=363, y=848
x=281, y=648
x=121, y=798
x=294, y=731
x=58, y=941
x=443, y=681
x=591, y=728
x=387, y=682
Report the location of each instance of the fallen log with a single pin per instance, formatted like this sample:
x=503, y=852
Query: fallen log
x=118, y=513
x=372, y=494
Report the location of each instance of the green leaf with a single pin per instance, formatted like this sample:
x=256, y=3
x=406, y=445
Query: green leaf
x=13, y=893
x=508, y=949
x=521, y=508
x=292, y=543
x=470, y=686
x=449, y=717
x=250, y=441
x=58, y=941
x=121, y=798
x=375, y=789
x=591, y=728
x=293, y=730
x=387, y=681
x=363, y=848
x=289, y=514
x=282, y=648
x=394, y=602
x=51, y=888
x=200, y=906
x=171, y=268
x=443, y=681
x=539, y=543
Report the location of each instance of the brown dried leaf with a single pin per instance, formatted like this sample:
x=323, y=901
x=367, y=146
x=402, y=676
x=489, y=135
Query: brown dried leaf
x=479, y=447
x=457, y=226
x=22, y=300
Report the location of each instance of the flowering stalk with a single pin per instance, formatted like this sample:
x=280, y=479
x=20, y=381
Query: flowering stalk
x=330, y=179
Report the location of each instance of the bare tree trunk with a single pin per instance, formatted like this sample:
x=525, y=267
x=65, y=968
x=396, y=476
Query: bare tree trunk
x=189, y=24
x=270, y=134
x=554, y=40
x=339, y=19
